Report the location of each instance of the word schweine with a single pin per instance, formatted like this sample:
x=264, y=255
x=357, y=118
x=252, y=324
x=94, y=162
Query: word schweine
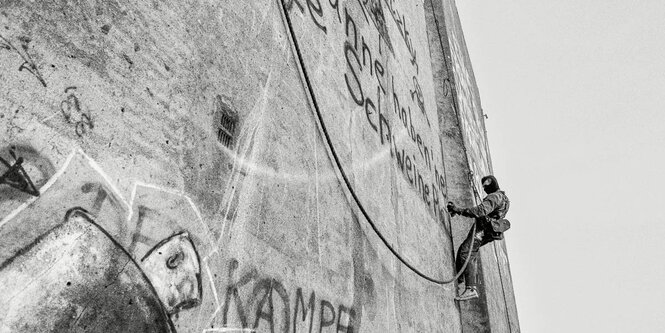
x=358, y=56
x=357, y=93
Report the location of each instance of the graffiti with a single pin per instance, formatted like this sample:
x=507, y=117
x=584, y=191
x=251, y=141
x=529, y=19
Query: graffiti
x=407, y=163
x=262, y=287
x=137, y=236
x=28, y=64
x=269, y=304
x=400, y=20
x=16, y=177
x=102, y=237
x=366, y=72
x=76, y=277
x=232, y=291
x=404, y=115
x=174, y=268
x=128, y=60
x=315, y=8
x=70, y=108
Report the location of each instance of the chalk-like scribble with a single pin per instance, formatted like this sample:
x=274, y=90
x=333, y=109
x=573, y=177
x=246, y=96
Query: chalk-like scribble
x=28, y=64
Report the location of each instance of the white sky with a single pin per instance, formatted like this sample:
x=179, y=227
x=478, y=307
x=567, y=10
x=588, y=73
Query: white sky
x=574, y=91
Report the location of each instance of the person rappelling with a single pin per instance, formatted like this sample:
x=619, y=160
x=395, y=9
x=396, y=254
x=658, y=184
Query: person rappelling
x=489, y=226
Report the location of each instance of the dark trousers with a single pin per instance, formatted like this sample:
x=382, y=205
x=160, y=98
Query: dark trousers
x=479, y=238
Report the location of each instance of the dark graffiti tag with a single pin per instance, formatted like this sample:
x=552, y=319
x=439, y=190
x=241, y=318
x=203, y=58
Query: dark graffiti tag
x=70, y=108
x=359, y=60
x=378, y=18
x=400, y=20
x=417, y=96
x=269, y=305
x=16, y=177
x=28, y=64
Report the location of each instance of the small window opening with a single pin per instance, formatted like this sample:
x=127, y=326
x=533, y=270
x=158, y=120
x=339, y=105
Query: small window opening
x=226, y=123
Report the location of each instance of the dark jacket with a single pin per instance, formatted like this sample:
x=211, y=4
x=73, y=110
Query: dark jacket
x=494, y=207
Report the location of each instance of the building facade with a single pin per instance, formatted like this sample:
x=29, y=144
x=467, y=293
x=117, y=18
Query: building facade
x=268, y=166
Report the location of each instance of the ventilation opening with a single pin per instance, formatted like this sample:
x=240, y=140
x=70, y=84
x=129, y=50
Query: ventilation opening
x=226, y=123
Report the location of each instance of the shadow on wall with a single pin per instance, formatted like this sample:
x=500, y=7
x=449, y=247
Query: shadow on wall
x=82, y=272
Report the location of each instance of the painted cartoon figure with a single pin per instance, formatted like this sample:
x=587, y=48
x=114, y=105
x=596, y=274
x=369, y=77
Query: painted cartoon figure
x=76, y=277
x=172, y=266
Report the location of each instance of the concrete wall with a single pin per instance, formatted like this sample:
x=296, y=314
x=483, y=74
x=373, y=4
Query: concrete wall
x=207, y=166
x=496, y=309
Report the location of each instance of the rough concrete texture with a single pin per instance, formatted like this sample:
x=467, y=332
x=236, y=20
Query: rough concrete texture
x=204, y=146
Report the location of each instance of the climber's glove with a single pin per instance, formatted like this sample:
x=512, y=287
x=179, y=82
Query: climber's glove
x=452, y=209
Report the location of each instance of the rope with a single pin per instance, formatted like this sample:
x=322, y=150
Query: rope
x=303, y=71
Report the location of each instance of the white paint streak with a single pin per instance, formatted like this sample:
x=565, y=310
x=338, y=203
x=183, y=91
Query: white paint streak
x=239, y=161
x=212, y=284
x=214, y=314
x=107, y=179
x=200, y=218
x=179, y=193
x=55, y=113
x=132, y=196
x=155, y=187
